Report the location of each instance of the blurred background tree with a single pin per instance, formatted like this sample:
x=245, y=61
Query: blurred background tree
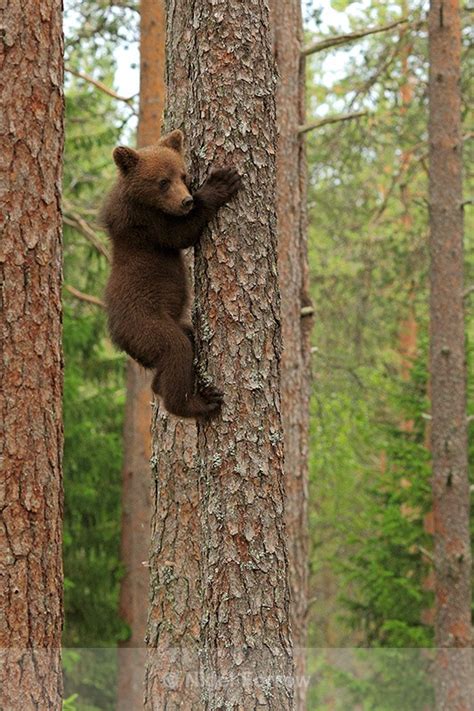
x=94, y=372
x=370, y=501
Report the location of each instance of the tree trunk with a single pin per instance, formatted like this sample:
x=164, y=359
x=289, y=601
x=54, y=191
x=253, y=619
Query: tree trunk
x=448, y=375
x=171, y=680
x=226, y=95
x=172, y=666
x=296, y=328
x=408, y=328
x=135, y=536
x=136, y=499
x=31, y=136
x=152, y=71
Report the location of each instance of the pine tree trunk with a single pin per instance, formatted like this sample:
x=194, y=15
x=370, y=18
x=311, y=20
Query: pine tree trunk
x=31, y=506
x=296, y=323
x=171, y=680
x=220, y=58
x=172, y=665
x=136, y=498
x=136, y=505
x=408, y=327
x=152, y=71
x=454, y=673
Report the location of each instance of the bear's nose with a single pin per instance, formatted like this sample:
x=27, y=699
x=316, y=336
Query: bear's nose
x=187, y=202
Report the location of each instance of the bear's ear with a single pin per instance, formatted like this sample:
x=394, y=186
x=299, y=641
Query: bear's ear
x=125, y=158
x=173, y=140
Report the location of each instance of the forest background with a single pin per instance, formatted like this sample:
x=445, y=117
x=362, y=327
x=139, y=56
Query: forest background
x=370, y=496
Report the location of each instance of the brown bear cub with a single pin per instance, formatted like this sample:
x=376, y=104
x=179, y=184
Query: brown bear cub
x=151, y=216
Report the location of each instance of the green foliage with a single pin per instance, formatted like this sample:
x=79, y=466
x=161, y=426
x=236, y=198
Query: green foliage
x=94, y=371
x=390, y=679
x=93, y=397
x=341, y=5
x=92, y=459
x=371, y=679
x=94, y=26
x=90, y=679
x=69, y=703
x=370, y=469
x=388, y=558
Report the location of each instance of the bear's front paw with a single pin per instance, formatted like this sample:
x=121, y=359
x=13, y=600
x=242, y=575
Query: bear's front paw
x=220, y=186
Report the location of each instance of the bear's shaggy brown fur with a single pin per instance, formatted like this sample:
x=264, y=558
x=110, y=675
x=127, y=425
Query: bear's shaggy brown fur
x=151, y=216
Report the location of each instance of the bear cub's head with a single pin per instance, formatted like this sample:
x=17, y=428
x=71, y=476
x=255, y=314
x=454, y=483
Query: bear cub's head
x=155, y=176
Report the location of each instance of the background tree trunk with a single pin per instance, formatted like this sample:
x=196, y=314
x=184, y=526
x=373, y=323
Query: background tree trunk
x=454, y=673
x=136, y=499
x=296, y=329
x=222, y=56
x=136, y=505
x=408, y=327
x=175, y=599
x=152, y=71
x=31, y=136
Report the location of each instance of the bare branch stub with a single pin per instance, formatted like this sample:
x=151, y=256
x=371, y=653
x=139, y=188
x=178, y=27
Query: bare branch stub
x=100, y=85
x=73, y=219
x=338, y=40
x=331, y=119
x=82, y=296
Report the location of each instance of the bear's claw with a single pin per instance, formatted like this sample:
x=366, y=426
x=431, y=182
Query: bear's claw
x=221, y=184
x=212, y=395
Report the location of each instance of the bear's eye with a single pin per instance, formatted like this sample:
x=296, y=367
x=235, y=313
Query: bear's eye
x=163, y=184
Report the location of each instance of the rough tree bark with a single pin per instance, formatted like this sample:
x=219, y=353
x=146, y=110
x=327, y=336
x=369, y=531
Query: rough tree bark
x=222, y=53
x=296, y=328
x=171, y=680
x=173, y=627
x=31, y=139
x=136, y=498
x=454, y=672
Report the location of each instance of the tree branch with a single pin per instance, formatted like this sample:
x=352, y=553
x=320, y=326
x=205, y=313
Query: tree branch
x=338, y=40
x=426, y=553
x=88, y=298
x=330, y=119
x=72, y=219
x=99, y=85
x=388, y=56
x=126, y=5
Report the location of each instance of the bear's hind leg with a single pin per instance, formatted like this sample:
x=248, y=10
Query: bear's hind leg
x=174, y=378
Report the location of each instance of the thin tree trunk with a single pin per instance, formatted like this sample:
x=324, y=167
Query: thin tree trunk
x=408, y=329
x=172, y=666
x=152, y=71
x=31, y=505
x=136, y=498
x=221, y=54
x=454, y=672
x=134, y=536
x=293, y=280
